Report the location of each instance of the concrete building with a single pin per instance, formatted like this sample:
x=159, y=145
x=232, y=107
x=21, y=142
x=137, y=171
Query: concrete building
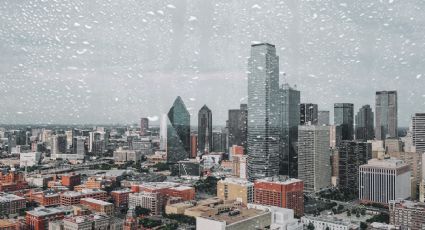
x=72, y=197
x=239, y=168
x=393, y=145
x=418, y=132
x=121, y=156
x=322, y=223
x=407, y=214
x=314, y=167
x=88, y=222
x=29, y=159
x=383, y=180
x=236, y=189
x=280, y=193
x=59, y=145
x=335, y=135
x=144, y=126
x=263, y=112
x=364, y=124
x=308, y=114
x=153, y=201
x=386, y=114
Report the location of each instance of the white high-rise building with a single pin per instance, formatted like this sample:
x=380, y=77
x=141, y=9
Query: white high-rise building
x=418, y=132
x=314, y=166
x=383, y=180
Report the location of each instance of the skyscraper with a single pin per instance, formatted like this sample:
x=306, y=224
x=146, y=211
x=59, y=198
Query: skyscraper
x=364, y=123
x=385, y=114
x=314, y=166
x=237, y=127
x=178, y=132
x=418, y=132
x=205, y=130
x=144, y=126
x=352, y=154
x=344, y=116
x=308, y=114
x=59, y=145
x=263, y=130
x=289, y=120
x=323, y=118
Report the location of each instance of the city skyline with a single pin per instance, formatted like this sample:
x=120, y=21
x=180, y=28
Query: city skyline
x=128, y=69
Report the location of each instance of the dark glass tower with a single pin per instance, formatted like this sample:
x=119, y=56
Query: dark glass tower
x=364, y=123
x=386, y=114
x=237, y=126
x=289, y=120
x=178, y=132
x=308, y=114
x=351, y=155
x=205, y=130
x=263, y=117
x=344, y=116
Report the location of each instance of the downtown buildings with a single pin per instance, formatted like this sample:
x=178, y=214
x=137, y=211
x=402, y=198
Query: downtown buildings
x=205, y=132
x=344, y=117
x=418, y=131
x=364, y=124
x=237, y=127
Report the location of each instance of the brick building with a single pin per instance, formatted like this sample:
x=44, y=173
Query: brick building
x=45, y=198
x=280, y=193
x=72, y=197
x=12, y=181
x=120, y=198
x=71, y=180
x=98, y=205
x=407, y=214
x=11, y=204
x=167, y=189
x=39, y=218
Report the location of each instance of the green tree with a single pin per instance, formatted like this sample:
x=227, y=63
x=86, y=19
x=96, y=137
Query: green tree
x=310, y=226
x=363, y=225
x=142, y=211
x=348, y=213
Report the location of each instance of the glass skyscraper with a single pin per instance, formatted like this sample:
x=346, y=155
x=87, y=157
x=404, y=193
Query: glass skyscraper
x=344, y=116
x=237, y=127
x=364, y=123
x=263, y=118
x=205, y=134
x=178, y=132
x=289, y=120
x=308, y=114
x=386, y=114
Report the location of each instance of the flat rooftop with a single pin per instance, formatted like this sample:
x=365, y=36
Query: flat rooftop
x=45, y=211
x=5, y=197
x=230, y=219
x=100, y=202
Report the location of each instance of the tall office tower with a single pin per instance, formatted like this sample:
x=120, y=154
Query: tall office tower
x=59, y=145
x=163, y=132
x=344, y=116
x=314, y=166
x=289, y=120
x=383, y=180
x=335, y=135
x=68, y=134
x=94, y=137
x=352, y=154
x=178, y=132
x=418, y=132
x=364, y=124
x=79, y=145
x=237, y=127
x=308, y=114
x=323, y=118
x=205, y=130
x=219, y=143
x=263, y=127
x=385, y=114
x=144, y=126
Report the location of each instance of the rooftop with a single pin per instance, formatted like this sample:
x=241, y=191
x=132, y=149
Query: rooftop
x=238, y=181
x=279, y=180
x=100, y=202
x=44, y=211
x=239, y=215
x=5, y=197
x=384, y=163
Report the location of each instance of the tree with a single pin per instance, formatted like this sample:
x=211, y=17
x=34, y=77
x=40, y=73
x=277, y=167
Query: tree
x=363, y=211
x=310, y=226
x=142, y=211
x=363, y=225
x=348, y=213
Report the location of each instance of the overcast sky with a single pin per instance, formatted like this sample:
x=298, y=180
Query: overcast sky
x=108, y=61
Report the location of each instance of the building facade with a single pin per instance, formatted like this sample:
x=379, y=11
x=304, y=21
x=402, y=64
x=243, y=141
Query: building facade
x=263, y=127
x=386, y=114
x=323, y=118
x=237, y=127
x=236, y=189
x=309, y=114
x=178, y=132
x=364, y=124
x=407, y=214
x=314, y=166
x=344, y=117
x=418, y=132
x=205, y=132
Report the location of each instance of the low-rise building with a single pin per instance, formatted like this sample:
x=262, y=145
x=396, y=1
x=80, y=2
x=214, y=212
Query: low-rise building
x=11, y=204
x=153, y=201
x=88, y=222
x=45, y=198
x=330, y=223
x=407, y=214
x=72, y=197
x=29, y=159
x=122, y=156
x=236, y=189
x=39, y=218
x=120, y=198
x=8, y=224
x=98, y=205
x=71, y=180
